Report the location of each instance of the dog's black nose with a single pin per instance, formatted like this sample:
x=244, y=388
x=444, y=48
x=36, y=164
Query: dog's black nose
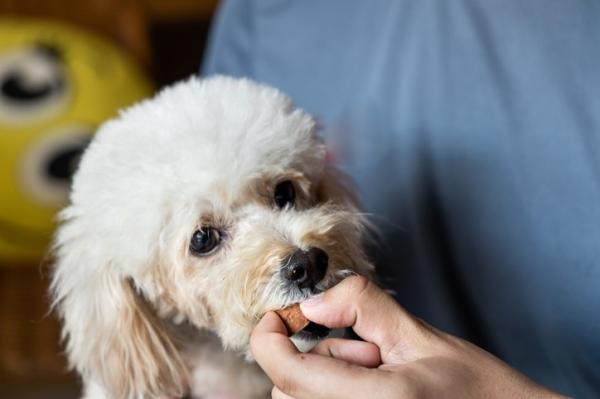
x=306, y=268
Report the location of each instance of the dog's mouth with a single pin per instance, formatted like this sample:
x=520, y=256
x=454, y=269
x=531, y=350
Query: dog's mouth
x=313, y=332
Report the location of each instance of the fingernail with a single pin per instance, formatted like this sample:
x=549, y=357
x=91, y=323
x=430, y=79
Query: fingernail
x=313, y=300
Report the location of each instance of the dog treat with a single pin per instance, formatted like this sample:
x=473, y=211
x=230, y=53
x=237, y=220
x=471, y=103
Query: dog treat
x=293, y=318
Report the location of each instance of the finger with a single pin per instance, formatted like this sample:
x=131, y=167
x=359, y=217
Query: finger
x=277, y=394
x=373, y=315
x=360, y=353
x=305, y=375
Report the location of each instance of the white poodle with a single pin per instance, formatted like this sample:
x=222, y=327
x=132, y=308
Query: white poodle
x=192, y=214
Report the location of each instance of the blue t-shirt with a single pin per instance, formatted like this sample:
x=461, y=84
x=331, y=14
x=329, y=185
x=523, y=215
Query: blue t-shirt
x=473, y=130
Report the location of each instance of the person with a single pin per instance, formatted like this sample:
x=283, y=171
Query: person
x=400, y=357
x=472, y=129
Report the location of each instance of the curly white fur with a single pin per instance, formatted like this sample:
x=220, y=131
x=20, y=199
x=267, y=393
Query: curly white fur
x=143, y=316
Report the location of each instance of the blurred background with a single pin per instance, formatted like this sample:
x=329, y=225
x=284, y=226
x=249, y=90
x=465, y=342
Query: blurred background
x=66, y=66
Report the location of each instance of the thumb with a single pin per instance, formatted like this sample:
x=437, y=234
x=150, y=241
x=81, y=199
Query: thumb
x=373, y=314
x=305, y=375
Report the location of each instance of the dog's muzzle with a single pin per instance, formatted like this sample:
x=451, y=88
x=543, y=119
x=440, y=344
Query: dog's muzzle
x=305, y=269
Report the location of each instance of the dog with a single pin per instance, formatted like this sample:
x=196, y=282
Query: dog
x=191, y=215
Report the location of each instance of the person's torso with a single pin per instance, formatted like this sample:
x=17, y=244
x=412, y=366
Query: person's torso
x=473, y=131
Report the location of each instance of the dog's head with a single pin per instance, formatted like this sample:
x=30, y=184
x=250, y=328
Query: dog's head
x=209, y=204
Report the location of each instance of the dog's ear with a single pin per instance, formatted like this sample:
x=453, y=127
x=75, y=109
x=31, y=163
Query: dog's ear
x=337, y=187
x=112, y=338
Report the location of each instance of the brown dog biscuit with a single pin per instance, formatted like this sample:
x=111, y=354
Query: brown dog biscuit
x=293, y=318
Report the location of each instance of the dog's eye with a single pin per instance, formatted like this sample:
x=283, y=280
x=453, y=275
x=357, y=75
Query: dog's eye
x=284, y=194
x=205, y=240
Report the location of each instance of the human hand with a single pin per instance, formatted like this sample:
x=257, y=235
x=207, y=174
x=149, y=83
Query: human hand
x=400, y=357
